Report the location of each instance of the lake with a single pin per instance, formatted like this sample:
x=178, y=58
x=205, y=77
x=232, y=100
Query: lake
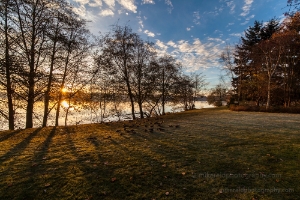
x=87, y=115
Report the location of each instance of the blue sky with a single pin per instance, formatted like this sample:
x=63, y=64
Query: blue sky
x=194, y=31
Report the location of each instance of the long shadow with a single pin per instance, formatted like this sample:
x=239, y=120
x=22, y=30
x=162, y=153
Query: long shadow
x=19, y=147
x=45, y=145
x=11, y=134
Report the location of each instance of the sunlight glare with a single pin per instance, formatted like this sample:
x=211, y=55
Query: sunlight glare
x=65, y=104
x=64, y=90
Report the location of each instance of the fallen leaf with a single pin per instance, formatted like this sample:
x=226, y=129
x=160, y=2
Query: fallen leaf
x=164, y=165
x=113, y=179
x=183, y=173
x=47, y=184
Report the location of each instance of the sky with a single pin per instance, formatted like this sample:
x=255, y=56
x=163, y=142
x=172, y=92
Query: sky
x=195, y=32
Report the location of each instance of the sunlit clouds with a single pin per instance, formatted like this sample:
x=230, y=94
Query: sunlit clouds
x=106, y=13
x=194, y=55
x=150, y=34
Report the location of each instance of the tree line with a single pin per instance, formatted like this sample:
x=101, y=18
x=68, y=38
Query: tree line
x=265, y=66
x=48, y=55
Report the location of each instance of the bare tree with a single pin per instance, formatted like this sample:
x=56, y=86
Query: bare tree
x=144, y=72
x=75, y=73
x=169, y=71
x=117, y=56
x=7, y=35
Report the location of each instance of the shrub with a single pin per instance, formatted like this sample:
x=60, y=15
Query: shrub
x=218, y=103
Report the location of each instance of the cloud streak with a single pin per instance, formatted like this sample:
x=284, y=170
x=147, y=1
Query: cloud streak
x=148, y=2
x=196, y=16
x=246, y=8
x=169, y=3
x=231, y=5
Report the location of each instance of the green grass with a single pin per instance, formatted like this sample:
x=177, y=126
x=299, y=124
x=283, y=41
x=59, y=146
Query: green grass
x=211, y=152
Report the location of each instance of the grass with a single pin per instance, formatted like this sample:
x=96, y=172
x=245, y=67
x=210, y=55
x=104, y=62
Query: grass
x=200, y=154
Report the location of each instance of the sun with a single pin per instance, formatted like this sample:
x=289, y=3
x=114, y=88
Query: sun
x=64, y=90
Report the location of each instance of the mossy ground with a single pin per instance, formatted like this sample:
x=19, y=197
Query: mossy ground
x=200, y=154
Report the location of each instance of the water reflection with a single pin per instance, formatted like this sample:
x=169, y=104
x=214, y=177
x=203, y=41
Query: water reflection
x=88, y=114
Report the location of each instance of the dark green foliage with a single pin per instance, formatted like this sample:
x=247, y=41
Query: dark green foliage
x=267, y=64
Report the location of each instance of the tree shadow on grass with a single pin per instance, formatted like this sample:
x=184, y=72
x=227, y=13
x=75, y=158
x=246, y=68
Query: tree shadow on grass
x=9, y=135
x=43, y=150
x=19, y=147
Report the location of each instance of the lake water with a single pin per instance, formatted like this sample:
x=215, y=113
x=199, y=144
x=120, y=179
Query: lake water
x=86, y=116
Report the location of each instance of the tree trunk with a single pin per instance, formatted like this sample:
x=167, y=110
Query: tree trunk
x=31, y=76
x=47, y=93
x=9, y=91
x=141, y=109
x=163, y=92
x=269, y=94
x=30, y=101
x=131, y=99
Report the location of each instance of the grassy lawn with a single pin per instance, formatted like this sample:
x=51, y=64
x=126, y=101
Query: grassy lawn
x=200, y=154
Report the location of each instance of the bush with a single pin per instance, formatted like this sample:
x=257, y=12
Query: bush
x=218, y=103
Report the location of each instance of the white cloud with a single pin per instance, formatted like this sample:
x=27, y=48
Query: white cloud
x=231, y=5
x=169, y=3
x=84, y=13
x=250, y=17
x=162, y=48
x=236, y=34
x=215, y=39
x=196, y=16
x=106, y=13
x=83, y=1
x=95, y=3
x=127, y=4
x=247, y=20
x=172, y=44
x=150, y=34
x=246, y=8
x=148, y=2
x=140, y=21
x=110, y=3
